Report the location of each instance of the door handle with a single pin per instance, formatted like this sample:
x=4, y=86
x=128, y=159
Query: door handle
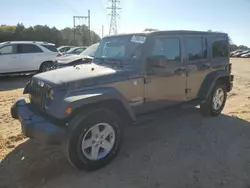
x=206, y=65
x=179, y=71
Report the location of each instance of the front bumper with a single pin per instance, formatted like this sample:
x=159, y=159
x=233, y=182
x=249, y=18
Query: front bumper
x=36, y=126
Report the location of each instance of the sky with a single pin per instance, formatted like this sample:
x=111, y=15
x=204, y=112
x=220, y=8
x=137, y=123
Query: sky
x=230, y=16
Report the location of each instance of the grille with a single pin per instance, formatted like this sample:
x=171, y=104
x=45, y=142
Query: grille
x=38, y=94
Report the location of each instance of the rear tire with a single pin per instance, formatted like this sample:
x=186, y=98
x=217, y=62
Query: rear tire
x=46, y=66
x=215, y=103
x=93, y=140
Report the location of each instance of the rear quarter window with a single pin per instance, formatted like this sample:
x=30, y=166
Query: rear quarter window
x=50, y=48
x=220, y=47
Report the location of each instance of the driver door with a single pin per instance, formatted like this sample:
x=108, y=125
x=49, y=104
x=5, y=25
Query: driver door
x=166, y=86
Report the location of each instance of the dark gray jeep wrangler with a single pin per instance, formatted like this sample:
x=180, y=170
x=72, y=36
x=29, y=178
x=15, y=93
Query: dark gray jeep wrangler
x=85, y=107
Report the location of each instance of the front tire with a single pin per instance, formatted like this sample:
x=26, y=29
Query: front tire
x=95, y=139
x=215, y=103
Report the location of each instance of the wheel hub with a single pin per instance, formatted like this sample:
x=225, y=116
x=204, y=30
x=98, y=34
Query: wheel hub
x=98, y=141
x=218, y=99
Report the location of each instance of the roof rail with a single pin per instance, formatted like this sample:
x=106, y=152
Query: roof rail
x=40, y=42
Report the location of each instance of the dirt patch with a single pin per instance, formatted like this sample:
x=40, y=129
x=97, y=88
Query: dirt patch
x=8, y=144
x=240, y=59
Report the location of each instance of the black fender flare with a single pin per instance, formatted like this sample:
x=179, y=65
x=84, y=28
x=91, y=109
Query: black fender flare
x=95, y=95
x=209, y=82
x=26, y=88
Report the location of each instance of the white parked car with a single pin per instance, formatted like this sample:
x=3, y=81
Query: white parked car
x=26, y=56
x=245, y=55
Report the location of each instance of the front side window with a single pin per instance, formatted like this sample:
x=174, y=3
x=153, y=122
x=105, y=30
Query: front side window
x=168, y=47
x=220, y=47
x=121, y=47
x=196, y=48
x=29, y=48
x=10, y=49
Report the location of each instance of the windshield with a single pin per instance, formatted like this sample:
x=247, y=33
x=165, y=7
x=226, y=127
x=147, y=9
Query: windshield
x=90, y=51
x=121, y=47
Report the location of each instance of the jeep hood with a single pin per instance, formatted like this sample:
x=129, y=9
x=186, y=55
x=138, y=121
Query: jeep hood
x=69, y=58
x=83, y=75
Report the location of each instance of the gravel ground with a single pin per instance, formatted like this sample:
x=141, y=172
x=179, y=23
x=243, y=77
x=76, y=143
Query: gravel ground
x=180, y=148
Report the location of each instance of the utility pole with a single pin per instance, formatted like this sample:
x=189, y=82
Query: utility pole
x=88, y=17
x=102, y=30
x=82, y=17
x=74, y=25
x=113, y=20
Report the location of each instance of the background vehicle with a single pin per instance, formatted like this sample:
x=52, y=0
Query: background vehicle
x=245, y=55
x=244, y=52
x=238, y=54
x=88, y=106
x=63, y=49
x=26, y=56
x=71, y=59
x=75, y=50
x=232, y=54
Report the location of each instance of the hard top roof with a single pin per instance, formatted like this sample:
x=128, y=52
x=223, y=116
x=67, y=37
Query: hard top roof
x=171, y=32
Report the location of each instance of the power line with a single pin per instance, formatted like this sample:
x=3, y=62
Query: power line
x=71, y=7
x=113, y=20
x=82, y=17
x=63, y=7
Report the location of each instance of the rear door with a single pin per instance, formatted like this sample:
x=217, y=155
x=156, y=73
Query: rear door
x=9, y=59
x=30, y=57
x=198, y=63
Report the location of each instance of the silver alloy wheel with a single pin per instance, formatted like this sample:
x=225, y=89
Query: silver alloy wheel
x=98, y=141
x=218, y=99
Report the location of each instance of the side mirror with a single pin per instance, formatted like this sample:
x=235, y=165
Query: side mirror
x=157, y=61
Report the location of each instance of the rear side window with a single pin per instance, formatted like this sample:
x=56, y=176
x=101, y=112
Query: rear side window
x=51, y=48
x=196, y=48
x=29, y=48
x=220, y=47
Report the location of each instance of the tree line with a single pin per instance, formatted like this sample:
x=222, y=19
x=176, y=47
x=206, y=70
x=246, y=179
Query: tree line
x=67, y=36
x=44, y=33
